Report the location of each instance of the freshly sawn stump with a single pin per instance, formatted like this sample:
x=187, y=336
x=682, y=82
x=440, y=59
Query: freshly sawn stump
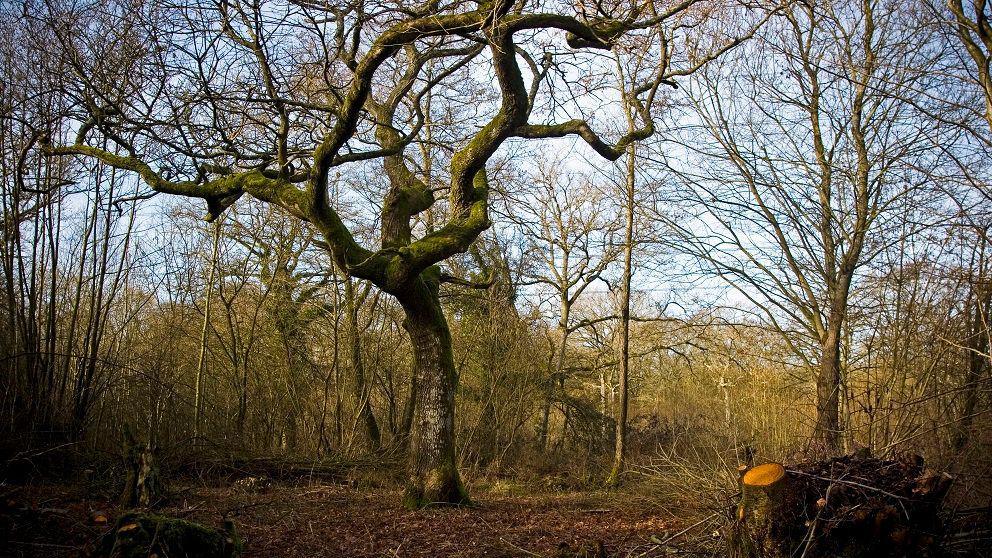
x=762, y=508
x=854, y=506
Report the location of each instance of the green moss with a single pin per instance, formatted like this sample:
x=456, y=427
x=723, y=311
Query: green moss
x=449, y=492
x=440, y=485
x=613, y=480
x=139, y=535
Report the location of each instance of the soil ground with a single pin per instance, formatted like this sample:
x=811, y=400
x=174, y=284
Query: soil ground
x=340, y=521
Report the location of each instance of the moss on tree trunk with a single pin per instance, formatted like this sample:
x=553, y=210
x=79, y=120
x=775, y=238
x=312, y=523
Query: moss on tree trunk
x=433, y=474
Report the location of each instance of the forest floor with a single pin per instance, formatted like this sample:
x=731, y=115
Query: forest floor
x=336, y=520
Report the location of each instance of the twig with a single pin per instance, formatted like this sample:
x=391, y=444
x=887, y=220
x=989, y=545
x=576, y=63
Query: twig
x=850, y=483
x=684, y=531
x=524, y=550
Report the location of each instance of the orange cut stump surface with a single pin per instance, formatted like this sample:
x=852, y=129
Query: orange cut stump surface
x=764, y=475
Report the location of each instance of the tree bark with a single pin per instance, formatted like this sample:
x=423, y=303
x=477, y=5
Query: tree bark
x=628, y=254
x=362, y=395
x=433, y=473
x=407, y=425
x=827, y=433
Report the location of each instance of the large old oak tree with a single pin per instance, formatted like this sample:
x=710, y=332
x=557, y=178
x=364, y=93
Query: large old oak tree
x=273, y=100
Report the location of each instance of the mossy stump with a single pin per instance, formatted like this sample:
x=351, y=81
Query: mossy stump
x=143, y=487
x=140, y=535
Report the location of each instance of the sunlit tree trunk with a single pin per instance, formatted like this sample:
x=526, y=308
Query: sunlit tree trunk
x=433, y=471
x=827, y=432
x=620, y=448
x=362, y=395
x=201, y=362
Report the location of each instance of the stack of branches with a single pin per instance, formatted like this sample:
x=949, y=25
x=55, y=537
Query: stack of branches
x=969, y=532
x=849, y=506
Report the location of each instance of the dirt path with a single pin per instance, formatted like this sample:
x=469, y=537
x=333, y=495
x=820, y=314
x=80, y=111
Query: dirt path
x=337, y=521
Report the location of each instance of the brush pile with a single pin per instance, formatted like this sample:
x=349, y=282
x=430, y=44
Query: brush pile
x=846, y=507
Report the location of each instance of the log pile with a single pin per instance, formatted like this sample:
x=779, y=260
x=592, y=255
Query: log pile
x=847, y=507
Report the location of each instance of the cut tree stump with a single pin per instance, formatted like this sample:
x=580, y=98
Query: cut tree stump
x=762, y=510
x=853, y=506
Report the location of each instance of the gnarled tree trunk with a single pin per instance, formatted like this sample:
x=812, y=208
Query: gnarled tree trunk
x=143, y=484
x=433, y=472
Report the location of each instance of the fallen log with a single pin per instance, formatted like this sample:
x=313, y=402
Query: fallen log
x=849, y=507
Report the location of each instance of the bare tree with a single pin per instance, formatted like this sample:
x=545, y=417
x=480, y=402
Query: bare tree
x=972, y=29
x=201, y=362
x=570, y=234
x=216, y=101
x=810, y=145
